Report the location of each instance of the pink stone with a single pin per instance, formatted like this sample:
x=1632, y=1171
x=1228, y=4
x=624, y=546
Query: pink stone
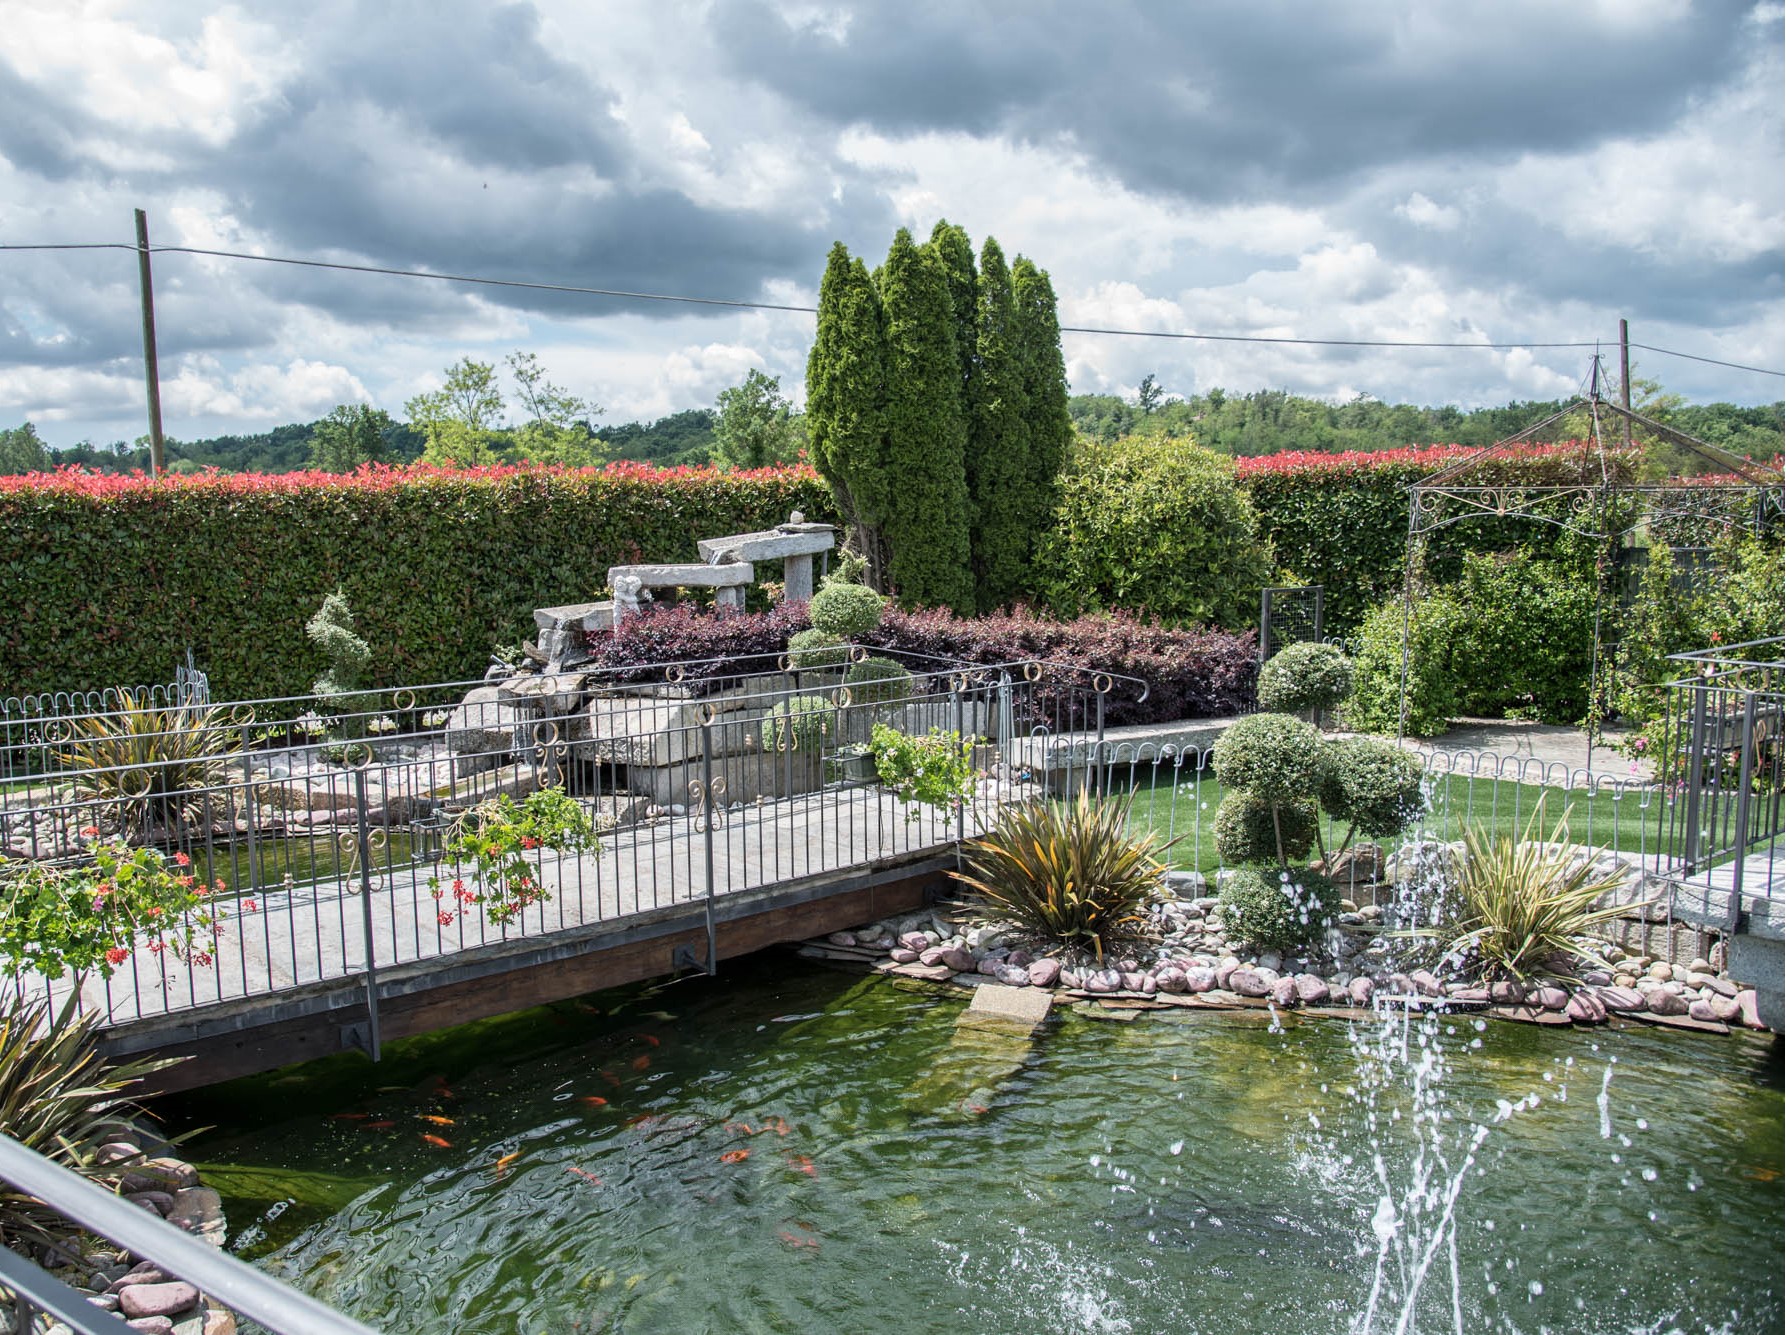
x=1504, y=992
x=1621, y=998
x=1311, y=989
x=1551, y=998
x=958, y=959
x=1698, y=1009
x=1748, y=1009
x=1426, y=984
x=1725, y=1008
x=1283, y=992
x=1585, y=1008
x=930, y=956
x=1666, y=1003
x=842, y=938
x=1247, y=983
x=1011, y=976
x=1172, y=980
x=1199, y=979
x=157, y=1299
x=1131, y=980
x=1044, y=973
x=989, y=966
x=1104, y=980
x=152, y=1325
x=902, y=955
x=1361, y=990
x=917, y=941
x=1224, y=974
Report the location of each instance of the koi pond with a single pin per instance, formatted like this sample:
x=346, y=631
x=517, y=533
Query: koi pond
x=787, y=1148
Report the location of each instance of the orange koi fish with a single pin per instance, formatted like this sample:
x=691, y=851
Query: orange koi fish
x=593, y=1100
x=641, y=1062
x=641, y=1119
x=348, y=1117
x=503, y=1163
x=610, y=1077
x=795, y=1240
x=583, y=1173
x=430, y=1117
x=739, y=1126
x=378, y=1126
x=648, y=1038
x=778, y=1125
x=804, y=1164
x=438, y=1142
x=734, y=1156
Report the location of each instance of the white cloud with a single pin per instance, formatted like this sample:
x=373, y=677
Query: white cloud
x=1423, y=212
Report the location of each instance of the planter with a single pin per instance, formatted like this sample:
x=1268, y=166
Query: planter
x=853, y=766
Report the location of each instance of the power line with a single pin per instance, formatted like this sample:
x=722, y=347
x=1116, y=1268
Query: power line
x=625, y=295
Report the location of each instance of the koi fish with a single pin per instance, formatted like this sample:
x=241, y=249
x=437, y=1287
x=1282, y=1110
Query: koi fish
x=430, y=1117
x=977, y=1109
x=438, y=1142
x=583, y=1173
x=507, y=1159
x=594, y=1100
x=610, y=1077
x=641, y=1062
x=641, y=1119
x=648, y=1038
x=348, y=1117
x=739, y=1126
x=778, y=1125
x=378, y=1126
x=795, y=1240
x=1760, y=1174
x=804, y=1164
x=734, y=1156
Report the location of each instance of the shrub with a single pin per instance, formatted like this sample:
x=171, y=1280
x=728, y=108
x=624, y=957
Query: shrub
x=1069, y=872
x=1245, y=831
x=1305, y=678
x=230, y=564
x=1278, y=910
x=1157, y=528
x=1372, y=786
x=815, y=649
x=142, y=765
x=846, y=611
x=493, y=840
x=877, y=681
x=1376, y=703
x=59, y=1098
x=1276, y=758
x=799, y=723
x=332, y=631
x=1520, y=905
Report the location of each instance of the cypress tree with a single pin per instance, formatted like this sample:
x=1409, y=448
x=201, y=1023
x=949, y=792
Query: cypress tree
x=926, y=523
x=955, y=253
x=1042, y=373
x=845, y=403
x=998, y=450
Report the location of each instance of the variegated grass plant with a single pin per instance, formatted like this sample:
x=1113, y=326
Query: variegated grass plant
x=143, y=765
x=1069, y=872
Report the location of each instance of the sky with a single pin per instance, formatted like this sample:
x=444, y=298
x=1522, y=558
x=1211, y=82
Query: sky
x=1478, y=171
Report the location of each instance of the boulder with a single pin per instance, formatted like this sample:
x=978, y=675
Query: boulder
x=1621, y=998
x=1246, y=982
x=167, y=1299
x=1283, y=992
x=1044, y=973
x=1311, y=989
x=1585, y=1008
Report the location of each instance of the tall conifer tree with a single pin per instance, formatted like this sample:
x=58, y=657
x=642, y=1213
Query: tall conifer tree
x=1035, y=326
x=845, y=402
x=998, y=481
x=926, y=524
x=955, y=252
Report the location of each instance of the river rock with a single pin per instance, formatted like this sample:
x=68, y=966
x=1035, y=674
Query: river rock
x=1664, y=1002
x=1700, y=1009
x=1172, y=980
x=151, y=1325
x=1551, y=998
x=169, y=1175
x=902, y=955
x=1044, y=973
x=930, y=956
x=1012, y=976
x=1722, y=986
x=1621, y=998
x=1361, y=990
x=1311, y=989
x=157, y=1299
x=1425, y=984
x=842, y=938
x=1661, y=971
x=958, y=958
x=117, y=1151
x=1246, y=982
x=156, y=1202
x=1466, y=995
x=1199, y=978
x=1283, y=992
x=917, y=941
x=1585, y=1008
x=1748, y=1010
x=1021, y=958
x=1506, y=992
x=1103, y=981
x=1724, y=1009
x=989, y=966
x=1225, y=970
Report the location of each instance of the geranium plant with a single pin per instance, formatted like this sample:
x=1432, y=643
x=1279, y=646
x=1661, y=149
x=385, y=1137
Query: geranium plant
x=933, y=770
x=56, y=920
x=492, y=842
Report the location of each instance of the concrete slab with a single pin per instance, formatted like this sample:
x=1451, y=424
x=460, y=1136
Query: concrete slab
x=1021, y=1006
x=692, y=574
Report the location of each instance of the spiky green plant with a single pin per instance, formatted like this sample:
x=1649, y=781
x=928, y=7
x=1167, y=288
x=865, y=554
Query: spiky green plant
x=143, y=765
x=59, y=1098
x=1521, y=905
x=1070, y=872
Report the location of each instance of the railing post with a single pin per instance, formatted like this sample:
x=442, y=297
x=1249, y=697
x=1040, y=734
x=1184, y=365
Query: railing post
x=1745, y=781
x=956, y=682
x=707, y=825
x=364, y=844
x=1695, y=777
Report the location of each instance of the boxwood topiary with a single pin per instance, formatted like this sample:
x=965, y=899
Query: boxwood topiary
x=1273, y=756
x=799, y=723
x=877, y=681
x=846, y=610
x=1372, y=785
x=1305, y=678
x=815, y=649
x=1244, y=831
x=1278, y=910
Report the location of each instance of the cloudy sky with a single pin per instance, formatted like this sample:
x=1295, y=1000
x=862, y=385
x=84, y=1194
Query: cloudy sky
x=1479, y=170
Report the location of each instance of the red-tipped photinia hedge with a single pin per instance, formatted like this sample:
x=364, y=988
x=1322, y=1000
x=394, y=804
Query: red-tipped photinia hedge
x=108, y=579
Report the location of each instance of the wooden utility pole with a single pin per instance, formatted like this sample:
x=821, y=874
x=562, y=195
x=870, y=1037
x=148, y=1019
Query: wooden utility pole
x=151, y=371
x=1625, y=374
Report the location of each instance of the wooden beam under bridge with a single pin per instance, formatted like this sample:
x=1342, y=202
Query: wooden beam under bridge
x=248, y=1036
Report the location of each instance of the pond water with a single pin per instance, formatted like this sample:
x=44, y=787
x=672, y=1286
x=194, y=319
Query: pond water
x=787, y=1148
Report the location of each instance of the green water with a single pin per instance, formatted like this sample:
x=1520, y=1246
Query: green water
x=907, y=1175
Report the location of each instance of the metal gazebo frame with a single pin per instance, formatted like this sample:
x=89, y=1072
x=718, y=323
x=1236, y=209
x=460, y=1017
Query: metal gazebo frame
x=1740, y=492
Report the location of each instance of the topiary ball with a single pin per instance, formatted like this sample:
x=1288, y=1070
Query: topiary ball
x=846, y=610
x=1374, y=785
x=1273, y=756
x=815, y=649
x=1278, y=910
x=877, y=681
x=799, y=723
x=1244, y=831
x=1300, y=678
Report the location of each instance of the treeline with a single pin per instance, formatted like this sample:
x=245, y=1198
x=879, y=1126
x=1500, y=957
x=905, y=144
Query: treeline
x=1273, y=421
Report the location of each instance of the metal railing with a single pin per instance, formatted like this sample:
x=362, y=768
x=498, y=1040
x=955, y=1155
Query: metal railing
x=31, y=724
x=319, y=828
x=1723, y=748
x=36, y=1294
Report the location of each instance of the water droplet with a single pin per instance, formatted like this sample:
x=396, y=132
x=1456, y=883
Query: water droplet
x=1535, y=1288
x=1176, y=1147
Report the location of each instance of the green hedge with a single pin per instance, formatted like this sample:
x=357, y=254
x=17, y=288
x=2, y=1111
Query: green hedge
x=107, y=580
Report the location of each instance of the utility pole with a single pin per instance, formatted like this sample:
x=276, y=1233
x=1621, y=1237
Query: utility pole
x=151, y=371
x=1625, y=375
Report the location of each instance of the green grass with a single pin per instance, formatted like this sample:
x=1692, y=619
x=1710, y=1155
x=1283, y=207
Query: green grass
x=300, y=859
x=1496, y=806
